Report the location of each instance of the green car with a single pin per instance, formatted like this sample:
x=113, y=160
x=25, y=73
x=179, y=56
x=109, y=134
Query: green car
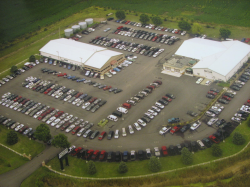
x=103, y=122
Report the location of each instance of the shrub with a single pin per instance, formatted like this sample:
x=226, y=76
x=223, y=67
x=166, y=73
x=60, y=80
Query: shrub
x=186, y=156
x=12, y=138
x=123, y=168
x=91, y=168
x=216, y=150
x=238, y=139
x=32, y=58
x=154, y=164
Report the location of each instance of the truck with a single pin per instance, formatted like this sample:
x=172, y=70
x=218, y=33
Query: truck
x=175, y=129
x=174, y=120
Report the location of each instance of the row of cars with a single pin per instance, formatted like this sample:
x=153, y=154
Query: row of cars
x=61, y=92
x=142, y=34
x=153, y=27
x=51, y=116
x=128, y=46
x=243, y=113
x=79, y=79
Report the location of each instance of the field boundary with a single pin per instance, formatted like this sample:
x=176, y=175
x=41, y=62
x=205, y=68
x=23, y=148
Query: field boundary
x=148, y=175
x=23, y=155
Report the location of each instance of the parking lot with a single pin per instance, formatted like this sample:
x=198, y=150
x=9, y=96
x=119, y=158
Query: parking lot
x=132, y=79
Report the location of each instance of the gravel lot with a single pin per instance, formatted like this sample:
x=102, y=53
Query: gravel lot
x=189, y=96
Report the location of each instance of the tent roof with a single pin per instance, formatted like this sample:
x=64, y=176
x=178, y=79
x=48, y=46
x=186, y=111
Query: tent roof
x=86, y=54
x=220, y=57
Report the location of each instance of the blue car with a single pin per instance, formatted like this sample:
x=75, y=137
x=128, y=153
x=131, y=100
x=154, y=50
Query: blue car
x=80, y=80
x=117, y=69
x=70, y=77
x=50, y=61
x=69, y=67
x=243, y=39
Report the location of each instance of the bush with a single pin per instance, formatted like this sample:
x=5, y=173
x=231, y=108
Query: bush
x=32, y=58
x=154, y=164
x=216, y=150
x=238, y=139
x=12, y=138
x=186, y=156
x=123, y=168
x=91, y=168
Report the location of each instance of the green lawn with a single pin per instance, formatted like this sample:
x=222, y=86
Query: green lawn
x=24, y=145
x=10, y=160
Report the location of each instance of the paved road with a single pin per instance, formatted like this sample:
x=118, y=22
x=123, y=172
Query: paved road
x=15, y=177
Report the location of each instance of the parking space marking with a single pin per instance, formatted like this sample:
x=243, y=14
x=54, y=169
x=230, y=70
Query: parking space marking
x=119, y=146
x=7, y=114
x=156, y=141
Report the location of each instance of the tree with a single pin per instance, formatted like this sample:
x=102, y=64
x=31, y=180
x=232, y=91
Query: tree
x=123, y=168
x=186, y=156
x=156, y=20
x=91, y=168
x=216, y=150
x=238, y=139
x=225, y=33
x=184, y=25
x=144, y=18
x=32, y=58
x=12, y=138
x=197, y=28
x=13, y=69
x=61, y=141
x=154, y=164
x=120, y=14
x=43, y=133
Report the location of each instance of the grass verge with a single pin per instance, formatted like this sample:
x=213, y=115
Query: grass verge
x=24, y=145
x=10, y=160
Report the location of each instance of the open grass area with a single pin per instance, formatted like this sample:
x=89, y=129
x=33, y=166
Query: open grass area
x=24, y=145
x=10, y=160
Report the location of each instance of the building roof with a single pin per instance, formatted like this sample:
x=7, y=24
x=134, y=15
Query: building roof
x=87, y=54
x=220, y=57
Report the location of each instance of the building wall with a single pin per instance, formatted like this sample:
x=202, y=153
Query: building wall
x=206, y=73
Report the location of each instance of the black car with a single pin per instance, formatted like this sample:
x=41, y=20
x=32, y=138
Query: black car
x=117, y=156
x=110, y=156
x=194, y=146
x=229, y=95
x=185, y=128
x=162, y=101
x=110, y=135
x=94, y=134
x=145, y=119
x=178, y=148
x=210, y=96
x=235, y=88
x=223, y=101
x=187, y=145
x=102, y=102
x=117, y=91
x=243, y=79
x=141, y=155
x=125, y=156
x=207, y=142
x=171, y=150
x=193, y=114
x=214, y=90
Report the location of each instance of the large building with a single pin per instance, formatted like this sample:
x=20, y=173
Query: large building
x=216, y=60
x=90, y=57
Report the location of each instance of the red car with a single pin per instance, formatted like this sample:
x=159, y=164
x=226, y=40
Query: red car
x=226, y=97
x=164, y=150
x=102, y=155
x=167, y=98
x=155, y=38
x=15, y=100
x=120, y=27
x=158, y=82
x=211, y=92
x=65, y=126
x=25, y=101
x=47, y=91
x=23, y=129
x=62, y=74
x=214, y=139
x=247, y=40
x=107, y=87
x=75, y=130
x=78, y=95
x=89, y=153
x=175, y=129
x=59, y=113
x=92, y=100
x=151, y=87
x=102, y=135
x=76, y=150
x=95, y=155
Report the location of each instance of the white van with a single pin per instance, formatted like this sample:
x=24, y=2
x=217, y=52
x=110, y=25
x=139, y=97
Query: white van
x=141, y=122
x=122, y=110
x=201, y=145
x=112, y=117
x=116, y=134
x=124, y=133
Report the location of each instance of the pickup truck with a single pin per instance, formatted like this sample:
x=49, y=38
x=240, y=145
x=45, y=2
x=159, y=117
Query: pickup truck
x=174, y=120
x=175, y=129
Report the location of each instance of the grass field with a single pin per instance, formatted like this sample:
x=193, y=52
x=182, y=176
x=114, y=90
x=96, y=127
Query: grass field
x=10, y=160
x=24, y=145
x=22, y=17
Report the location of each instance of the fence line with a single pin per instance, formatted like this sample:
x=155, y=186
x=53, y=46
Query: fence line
x=148, y=175
x=23, y=155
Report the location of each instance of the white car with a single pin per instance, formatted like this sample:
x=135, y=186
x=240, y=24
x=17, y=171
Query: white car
x=137, y=126
x=18, y=106
x=212, y=121
x=68, y=117
x=6, y=94
x=131, y=130
x=199, y=80
x=14, y=105
x=210, y=114
x=19, y=127
x=15, y=125
x=76, y=101
x=237, y=120
x=195, y=125
x=60, y=124
x=159, y=105
x=164, y=130
x=63, y=116
x=79, y=103
x=141, y=122
x=84, y=106
x=112, y=72
x=116, y=134
x=68, y=97
x=157, y=152
x=9, y=103
x=152, y=112
x=108, y=74
x=156, y=109
x=51, y=120
x=80, y=132
x=70, y=128
x=55, y=122
x=87, y=73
